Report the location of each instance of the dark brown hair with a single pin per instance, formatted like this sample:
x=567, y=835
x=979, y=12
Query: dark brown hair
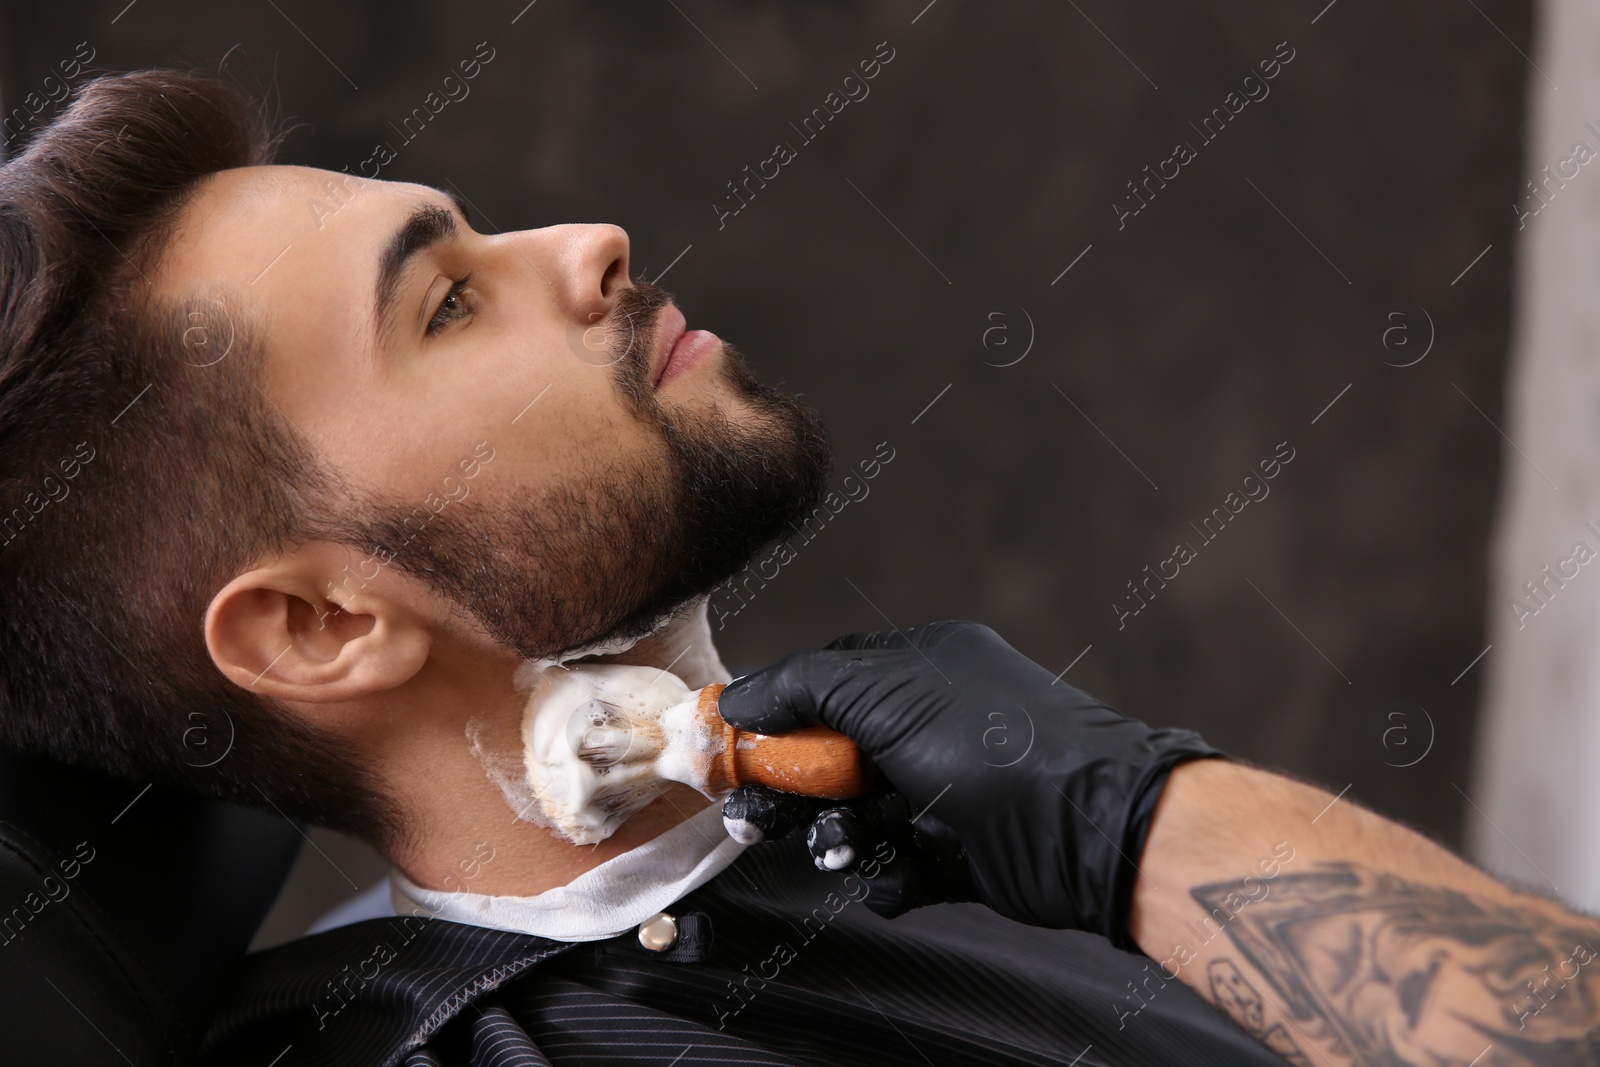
x=141, y=467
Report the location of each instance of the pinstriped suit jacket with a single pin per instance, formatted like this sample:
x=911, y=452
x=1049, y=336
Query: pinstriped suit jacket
x=797, y=971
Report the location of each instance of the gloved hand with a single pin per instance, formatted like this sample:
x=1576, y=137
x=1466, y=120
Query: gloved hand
x=1030, y=796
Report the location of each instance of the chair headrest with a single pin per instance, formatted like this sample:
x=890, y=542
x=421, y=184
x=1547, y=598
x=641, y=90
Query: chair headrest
x=123, y=911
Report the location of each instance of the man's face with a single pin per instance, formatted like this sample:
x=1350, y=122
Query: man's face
x=507, y=411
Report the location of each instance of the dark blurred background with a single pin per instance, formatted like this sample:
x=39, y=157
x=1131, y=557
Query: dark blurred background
x=1097, y=386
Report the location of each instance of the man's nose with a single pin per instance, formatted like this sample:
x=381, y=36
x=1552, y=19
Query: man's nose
x=590, y=264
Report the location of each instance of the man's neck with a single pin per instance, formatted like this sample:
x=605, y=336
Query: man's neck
x=454, y=761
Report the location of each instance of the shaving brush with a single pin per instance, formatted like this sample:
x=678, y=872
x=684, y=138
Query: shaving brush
x=690, y=742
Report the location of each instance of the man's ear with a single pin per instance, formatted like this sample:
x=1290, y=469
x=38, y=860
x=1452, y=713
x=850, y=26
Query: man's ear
x=315, y=625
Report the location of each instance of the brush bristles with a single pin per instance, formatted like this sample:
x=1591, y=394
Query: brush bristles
x=603, y=735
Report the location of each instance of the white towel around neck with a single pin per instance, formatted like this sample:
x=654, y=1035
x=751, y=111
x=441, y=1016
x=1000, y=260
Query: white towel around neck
x=611, y=899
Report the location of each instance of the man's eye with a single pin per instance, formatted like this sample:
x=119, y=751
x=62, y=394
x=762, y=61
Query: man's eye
x=453, y=308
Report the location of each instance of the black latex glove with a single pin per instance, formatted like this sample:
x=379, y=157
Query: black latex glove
x=1042, y=793
x=877, y=836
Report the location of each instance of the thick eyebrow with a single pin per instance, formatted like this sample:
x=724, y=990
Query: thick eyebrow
x=426, y=226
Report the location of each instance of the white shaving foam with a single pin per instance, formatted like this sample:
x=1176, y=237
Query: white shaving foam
x=663, y=740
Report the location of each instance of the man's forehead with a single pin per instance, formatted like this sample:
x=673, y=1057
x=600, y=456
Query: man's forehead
x=244, y=224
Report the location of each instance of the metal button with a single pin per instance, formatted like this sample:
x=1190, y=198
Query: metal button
x=657, y=934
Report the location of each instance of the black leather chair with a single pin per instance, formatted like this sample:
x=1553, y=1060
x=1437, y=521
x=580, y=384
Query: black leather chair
x=122, y=914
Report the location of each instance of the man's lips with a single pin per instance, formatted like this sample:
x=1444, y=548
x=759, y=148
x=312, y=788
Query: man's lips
x=679, y=348
x=671, y=327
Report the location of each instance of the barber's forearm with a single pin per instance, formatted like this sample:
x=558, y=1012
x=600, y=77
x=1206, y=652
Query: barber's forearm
x=1337, y=937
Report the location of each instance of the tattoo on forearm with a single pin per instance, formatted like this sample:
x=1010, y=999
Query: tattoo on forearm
x=1382, y=971
x=1239, y=1001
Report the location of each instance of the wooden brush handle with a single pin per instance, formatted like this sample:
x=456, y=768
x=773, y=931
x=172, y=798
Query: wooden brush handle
x=815, y=761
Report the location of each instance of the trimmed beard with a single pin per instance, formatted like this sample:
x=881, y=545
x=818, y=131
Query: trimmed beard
x=606, y=555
